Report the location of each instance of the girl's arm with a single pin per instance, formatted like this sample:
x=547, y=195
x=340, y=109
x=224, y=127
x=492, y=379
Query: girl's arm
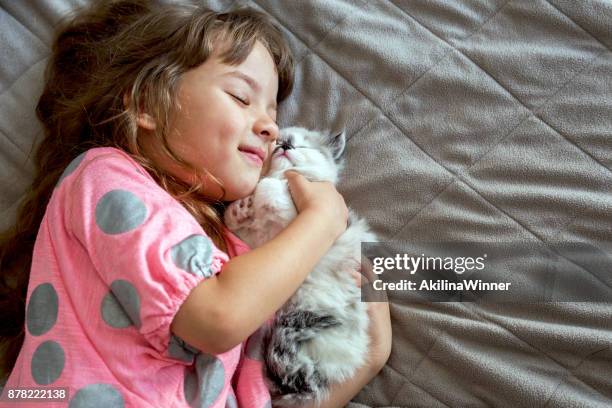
x=224, y=310
x=379, y=350
x=341, y=394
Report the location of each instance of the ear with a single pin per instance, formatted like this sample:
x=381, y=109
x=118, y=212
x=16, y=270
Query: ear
x=337, y=144
x=143, y=120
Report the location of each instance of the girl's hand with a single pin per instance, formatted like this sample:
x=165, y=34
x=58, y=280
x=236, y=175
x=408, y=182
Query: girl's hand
x=380, y=321
x=380, y=334
x=319, y=197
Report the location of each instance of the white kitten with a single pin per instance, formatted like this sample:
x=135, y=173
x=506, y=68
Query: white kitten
x=320, y=335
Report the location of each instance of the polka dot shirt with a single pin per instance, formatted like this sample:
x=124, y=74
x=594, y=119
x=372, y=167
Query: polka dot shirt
x=114, y=259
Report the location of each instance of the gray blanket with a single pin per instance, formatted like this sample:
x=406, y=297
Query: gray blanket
x=467, y=120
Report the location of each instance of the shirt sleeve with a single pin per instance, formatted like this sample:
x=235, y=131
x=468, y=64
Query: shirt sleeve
x=146, y=246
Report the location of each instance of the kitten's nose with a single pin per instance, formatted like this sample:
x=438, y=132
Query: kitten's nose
x=286, y=145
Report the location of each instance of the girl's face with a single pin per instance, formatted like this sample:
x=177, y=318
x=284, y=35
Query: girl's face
x=226, y=123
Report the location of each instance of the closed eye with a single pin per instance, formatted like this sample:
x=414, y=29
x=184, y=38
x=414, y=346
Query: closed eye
x=243, y=101
x=280, y=144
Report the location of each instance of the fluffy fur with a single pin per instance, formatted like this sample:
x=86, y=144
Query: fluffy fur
x=320, y=335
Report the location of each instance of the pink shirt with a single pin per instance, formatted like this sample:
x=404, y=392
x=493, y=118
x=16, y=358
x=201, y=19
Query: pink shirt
x=114, y=259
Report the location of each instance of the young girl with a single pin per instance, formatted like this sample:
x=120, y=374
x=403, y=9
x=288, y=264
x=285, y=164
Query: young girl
x=137, y=295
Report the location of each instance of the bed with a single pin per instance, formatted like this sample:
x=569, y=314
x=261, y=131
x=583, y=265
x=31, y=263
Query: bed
x=466, y=121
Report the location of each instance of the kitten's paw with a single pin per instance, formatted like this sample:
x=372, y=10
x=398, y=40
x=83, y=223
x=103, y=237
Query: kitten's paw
x=239, y=212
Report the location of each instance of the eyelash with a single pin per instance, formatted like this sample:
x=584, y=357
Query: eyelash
x=244, y=102
x=280, y=143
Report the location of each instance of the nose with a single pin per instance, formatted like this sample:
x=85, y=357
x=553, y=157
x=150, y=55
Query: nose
x=286, y=145
x=266, y=128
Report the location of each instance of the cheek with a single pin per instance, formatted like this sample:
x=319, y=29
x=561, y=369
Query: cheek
x=230, y=127
x=230, y=119
x=227, y=139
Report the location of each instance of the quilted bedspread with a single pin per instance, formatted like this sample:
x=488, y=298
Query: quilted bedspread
x=473, y=120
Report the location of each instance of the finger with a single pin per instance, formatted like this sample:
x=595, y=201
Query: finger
x=357, y=278
x=369, y=276
x=363, y=279
x=296, y=180
x=366, y=269
x=291, y=174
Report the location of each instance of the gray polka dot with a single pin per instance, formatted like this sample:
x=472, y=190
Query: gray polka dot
x=180, y=350
x=71, y=167
x=203, y=386
x=121, y=306
x=119, y=211
x=42, y=309
x=113, y=314
x=194, y=255
x=231, y=400
x=97, y=395
x=47, y=362
x=254, y=347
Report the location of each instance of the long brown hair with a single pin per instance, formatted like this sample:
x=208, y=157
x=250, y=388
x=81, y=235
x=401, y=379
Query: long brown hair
x=138, y=49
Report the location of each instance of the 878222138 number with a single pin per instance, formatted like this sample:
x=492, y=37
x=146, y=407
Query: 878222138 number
x=32, y=394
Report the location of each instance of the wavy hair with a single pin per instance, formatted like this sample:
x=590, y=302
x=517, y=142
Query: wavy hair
x=138, y=49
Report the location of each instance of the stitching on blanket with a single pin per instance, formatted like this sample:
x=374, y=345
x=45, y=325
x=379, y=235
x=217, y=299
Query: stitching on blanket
x=466, y=170
x=534, y=234
x=365, y=6
x=427, y=153
x=566, y=369
x=491, y=148
x=534, y=114
x=44, y=57
x=496, y=12
x=454, y=179
x=44, y=44
x=580, y=26
x=12, y=205
x=502, y=139
x=355, y=87
x=308, y=50
x=313, y=46
x=563, y=381
x=12, y=141
x=552, y=394
x=406, y=380
x=559, y=364
x=358, y=131
x=538, y=108
x=586, y=152
x=396, y=393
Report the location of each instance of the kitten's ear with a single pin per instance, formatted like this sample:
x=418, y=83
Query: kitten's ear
x=337, y=144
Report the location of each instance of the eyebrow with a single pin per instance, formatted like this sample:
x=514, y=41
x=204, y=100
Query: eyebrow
x=252, y=83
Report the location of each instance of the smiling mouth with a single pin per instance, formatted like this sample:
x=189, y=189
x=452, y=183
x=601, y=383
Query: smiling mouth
x=252, y=157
